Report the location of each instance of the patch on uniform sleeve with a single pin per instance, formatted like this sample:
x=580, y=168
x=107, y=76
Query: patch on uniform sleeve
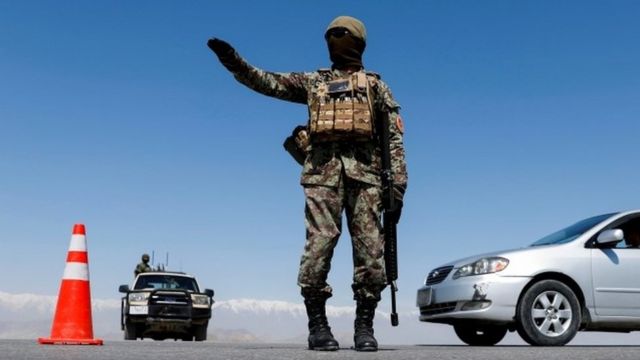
x=400, y=124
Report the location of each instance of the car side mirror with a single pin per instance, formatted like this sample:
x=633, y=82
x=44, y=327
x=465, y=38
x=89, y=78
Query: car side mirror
x=209, y=292
x=123, y=288
x=610, y=236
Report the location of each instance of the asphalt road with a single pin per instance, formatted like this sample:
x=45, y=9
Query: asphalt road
x=125, y=350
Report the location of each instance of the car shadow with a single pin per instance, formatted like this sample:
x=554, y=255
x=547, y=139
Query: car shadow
x=529, y=346
x=611, y=255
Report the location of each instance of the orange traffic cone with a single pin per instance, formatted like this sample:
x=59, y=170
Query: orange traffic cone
x=72, y=324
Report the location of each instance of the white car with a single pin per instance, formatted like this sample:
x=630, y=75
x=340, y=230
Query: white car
x=162, y=305
x=583, y=277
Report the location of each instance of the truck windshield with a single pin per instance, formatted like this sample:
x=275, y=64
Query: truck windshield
x=165, y=281
x=572, y=232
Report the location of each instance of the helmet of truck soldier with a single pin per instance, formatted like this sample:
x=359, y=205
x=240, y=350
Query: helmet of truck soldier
x=145, y=258
x=346, y=38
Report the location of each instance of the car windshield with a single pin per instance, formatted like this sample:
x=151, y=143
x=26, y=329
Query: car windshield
x=572, y=232
x=164, y=281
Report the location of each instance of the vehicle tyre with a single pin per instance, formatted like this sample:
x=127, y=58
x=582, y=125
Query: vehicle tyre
x=187, y=337
x=548, y=314
x=130, y=331
x=480, y=335
x=200, y=332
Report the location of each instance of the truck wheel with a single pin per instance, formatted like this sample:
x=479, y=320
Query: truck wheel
x=548, y=314
x=200, y=332
x=129, y=331
x=480, y=335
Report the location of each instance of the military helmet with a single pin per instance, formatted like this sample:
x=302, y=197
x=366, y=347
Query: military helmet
x=145, y=257
x=355, y=26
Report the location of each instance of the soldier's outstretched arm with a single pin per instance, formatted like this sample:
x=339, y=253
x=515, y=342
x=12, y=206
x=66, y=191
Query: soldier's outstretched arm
x=284, y=86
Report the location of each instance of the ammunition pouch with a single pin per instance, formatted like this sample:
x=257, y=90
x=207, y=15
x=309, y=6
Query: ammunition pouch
x=342, y=109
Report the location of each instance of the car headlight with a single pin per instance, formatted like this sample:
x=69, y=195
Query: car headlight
x=200, y=300
x=139, y=297
x=483, y=266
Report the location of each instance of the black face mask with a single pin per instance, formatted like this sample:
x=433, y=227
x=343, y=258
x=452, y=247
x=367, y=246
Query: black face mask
x=345, y=51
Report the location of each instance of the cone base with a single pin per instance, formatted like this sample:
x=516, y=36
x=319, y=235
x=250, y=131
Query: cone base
x=49, y=341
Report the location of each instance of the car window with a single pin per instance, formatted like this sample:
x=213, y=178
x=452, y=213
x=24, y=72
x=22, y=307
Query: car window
x=625, y=245
x=571, y=232
x=166, y=282
x=631, y=230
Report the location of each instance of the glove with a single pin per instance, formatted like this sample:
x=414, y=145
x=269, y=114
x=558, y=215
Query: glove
x=398, y=193
x=220, y=47
x=297, y=144
x=301, y=136
x=226, y=54
x=394, y=215
x=398, y=196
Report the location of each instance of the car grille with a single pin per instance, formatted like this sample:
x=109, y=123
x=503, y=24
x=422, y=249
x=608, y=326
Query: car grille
x=436, y=309
x=438, y=275
x=172, y=298
x=170, y=305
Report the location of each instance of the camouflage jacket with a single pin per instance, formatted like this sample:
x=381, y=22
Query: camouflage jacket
x=326, y=161
x=142, y=267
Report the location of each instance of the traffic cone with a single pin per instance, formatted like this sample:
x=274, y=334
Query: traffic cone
x=72, y=324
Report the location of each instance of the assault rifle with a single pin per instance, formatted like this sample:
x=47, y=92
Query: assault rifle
x=390, y=216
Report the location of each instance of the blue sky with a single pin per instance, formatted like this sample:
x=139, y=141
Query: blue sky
x=521, y=117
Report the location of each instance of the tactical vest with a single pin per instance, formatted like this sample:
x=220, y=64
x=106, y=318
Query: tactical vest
x=342, y=109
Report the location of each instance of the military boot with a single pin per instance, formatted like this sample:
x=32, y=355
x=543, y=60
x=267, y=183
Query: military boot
x=320, y=336
x=363, y=325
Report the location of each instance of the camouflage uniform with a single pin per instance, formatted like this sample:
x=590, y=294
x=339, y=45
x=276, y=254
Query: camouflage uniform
x=143, y=266
x=335, y=176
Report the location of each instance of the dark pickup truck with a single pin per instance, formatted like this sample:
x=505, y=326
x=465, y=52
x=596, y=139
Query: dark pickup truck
x=165, y=305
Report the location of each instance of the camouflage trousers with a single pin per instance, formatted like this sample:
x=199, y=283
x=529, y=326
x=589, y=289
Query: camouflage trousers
x=324, y=205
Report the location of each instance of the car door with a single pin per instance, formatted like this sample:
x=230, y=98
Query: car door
x=616, y=281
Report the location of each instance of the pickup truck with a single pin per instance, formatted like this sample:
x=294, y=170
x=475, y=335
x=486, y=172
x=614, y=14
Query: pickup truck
x=162, y=305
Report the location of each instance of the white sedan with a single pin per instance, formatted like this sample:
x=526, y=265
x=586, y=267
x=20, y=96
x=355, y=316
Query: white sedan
x=583, y=277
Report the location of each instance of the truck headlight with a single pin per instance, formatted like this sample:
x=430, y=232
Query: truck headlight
x=483, y=266
x=200, y=300
x=139, y=297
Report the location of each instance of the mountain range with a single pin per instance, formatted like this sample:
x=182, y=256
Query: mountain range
x=29, y=316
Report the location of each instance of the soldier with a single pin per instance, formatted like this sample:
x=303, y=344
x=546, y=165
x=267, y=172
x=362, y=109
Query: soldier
x=143, y=266
x=341, y=170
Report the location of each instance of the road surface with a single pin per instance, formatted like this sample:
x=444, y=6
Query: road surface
x=170, y=350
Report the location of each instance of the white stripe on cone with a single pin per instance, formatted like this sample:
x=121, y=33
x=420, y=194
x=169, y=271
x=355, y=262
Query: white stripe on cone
x=78, y=243
x=76, y=271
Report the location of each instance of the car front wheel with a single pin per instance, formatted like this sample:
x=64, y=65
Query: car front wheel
x=200, y=332
x=480, y=335
x=548, y=314
x=130, y=331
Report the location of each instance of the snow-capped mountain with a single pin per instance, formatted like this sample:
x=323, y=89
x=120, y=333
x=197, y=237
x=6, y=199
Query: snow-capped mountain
x=24, y=316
